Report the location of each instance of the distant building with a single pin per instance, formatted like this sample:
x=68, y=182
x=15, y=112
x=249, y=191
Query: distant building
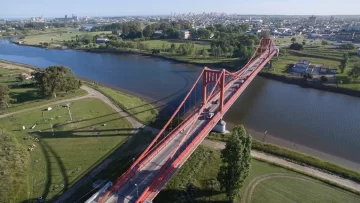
x=157, y=34
x=102, y=40
x=27, y=76
x=312, y=19
x=184, y=34
x=332, y=18
x=73, y=18
x=257, y=23
x=302, y=66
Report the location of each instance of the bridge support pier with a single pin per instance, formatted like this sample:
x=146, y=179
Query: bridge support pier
x=220, y=127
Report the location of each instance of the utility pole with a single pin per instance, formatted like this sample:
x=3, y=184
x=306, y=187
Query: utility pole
x=68, y=107
x=264, y=138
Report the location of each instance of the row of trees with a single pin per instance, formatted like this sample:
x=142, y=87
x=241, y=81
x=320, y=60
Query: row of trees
x=171, y=30
x=235, y=45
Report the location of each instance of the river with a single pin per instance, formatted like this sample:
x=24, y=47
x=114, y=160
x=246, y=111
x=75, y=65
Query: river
x=295, y=117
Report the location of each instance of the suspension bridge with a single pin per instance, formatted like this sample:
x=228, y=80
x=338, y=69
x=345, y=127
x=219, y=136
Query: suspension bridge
x=202, y=110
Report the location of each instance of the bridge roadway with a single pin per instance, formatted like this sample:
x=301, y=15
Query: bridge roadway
x=129, y=192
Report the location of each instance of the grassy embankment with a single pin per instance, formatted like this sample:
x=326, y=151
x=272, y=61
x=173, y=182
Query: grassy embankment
x=56, y=39
x=65, y=152
x=297, y=157
x=25, y=95
x=31, y=32
x=142, y=110
x=69, y=149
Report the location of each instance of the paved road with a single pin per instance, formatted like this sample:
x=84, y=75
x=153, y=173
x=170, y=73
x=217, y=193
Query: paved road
x=130, y=191
x=309, y=170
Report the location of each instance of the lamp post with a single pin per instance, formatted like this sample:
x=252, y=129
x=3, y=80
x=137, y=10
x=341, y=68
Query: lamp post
x=137, y=190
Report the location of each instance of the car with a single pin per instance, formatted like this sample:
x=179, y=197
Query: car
x=207, y=109
x=216, y=101
x=210, y=115
x=242, y=81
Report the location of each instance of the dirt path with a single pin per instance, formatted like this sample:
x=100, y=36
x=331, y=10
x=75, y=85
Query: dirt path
x=10, y=65
x=309, y=170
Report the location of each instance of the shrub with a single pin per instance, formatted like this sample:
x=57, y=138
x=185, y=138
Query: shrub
x=324, y=79
x=296, y=46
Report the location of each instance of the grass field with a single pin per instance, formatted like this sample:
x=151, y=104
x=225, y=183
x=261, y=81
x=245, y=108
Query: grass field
x=14, y=162
x=158, y=44
x=201, y=170
x=26, y=97
x=66, y=152
x=140, y=109
x=289, y=189
x=57, y=38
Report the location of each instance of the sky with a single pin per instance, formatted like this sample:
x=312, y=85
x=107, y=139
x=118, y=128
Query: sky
x=58, y=8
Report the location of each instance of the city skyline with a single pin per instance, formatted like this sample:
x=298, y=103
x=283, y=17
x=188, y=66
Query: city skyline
x=52, y=9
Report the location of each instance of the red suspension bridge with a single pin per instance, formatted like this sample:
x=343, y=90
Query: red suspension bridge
x=173, y=145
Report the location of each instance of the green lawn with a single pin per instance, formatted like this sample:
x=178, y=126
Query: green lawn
x=140, y=109
x=288, y=189
x=202, y=167
x=14, y=162
x=287, y=40
x=26, y=97
x=158, y=44
x=61, y=157
x=57, y=37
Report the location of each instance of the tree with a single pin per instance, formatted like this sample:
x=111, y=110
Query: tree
x=344, y=62
x=296, y=46
x=293, y=40
x=204, y=33
x=324, y=42
x=55, y=79
x=355, y=71
x=173, y=48
x=21, y=78
x=264, y=34
x=324, y=79
x=235, y=162
x=348, y=46
x=4, y=96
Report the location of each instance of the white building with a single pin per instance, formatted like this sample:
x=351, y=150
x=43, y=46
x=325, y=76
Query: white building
x=184, y=34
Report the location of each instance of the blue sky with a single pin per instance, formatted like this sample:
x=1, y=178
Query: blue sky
x=58, y=8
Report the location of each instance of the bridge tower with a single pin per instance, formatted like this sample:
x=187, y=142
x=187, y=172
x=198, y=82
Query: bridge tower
x=218, y=78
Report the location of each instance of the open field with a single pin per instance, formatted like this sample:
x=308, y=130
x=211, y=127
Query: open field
x=202, y=168
x=140, y=109
x=158, y=44
x=57, y=37
x=66, y=152
x=33, y=32
x=24, y=94
x=293, y=189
